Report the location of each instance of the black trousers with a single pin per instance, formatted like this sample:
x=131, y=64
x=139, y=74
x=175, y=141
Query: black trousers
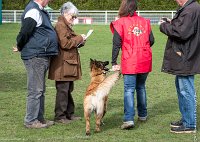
x=64, y=105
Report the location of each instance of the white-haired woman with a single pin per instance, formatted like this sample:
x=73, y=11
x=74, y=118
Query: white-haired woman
x=66, y=67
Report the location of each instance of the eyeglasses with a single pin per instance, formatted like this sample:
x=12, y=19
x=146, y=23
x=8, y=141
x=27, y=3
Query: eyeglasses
x=74, y=16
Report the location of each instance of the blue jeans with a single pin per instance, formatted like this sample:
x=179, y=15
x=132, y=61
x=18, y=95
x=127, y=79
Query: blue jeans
x=131, y=83
x=186, y=99
x=36, y=71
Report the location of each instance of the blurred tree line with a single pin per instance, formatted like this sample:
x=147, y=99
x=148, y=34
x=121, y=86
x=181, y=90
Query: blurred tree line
x=96, y=4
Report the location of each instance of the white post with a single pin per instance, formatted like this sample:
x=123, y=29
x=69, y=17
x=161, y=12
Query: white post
x=106, y=16
x=138, y=12
x=15, y=16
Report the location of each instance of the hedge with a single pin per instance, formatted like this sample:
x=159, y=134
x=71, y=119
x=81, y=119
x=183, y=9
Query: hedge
x=96, y=4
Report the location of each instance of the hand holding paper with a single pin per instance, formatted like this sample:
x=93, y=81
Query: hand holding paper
x=89, y=33
x=85, y=37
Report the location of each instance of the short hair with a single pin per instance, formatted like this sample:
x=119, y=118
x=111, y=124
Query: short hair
x=127, y=7
x=69, y=8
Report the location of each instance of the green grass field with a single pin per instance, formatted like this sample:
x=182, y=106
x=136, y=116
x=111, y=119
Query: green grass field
x=161, y=95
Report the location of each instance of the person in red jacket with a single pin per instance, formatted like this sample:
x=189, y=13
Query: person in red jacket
x=132, y=34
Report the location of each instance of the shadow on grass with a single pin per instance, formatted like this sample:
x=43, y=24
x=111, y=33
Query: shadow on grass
x=157, y=109
x=114, y=116
x=12, y=82
x=161, y=109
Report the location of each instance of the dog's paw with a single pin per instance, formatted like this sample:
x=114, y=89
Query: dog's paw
x=87, y=133
x=97, y=130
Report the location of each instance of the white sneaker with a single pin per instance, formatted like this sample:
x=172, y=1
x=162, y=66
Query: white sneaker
x=127, y=125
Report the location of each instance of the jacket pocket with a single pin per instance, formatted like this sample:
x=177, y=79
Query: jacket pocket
x=70, y=68
x=176, y=61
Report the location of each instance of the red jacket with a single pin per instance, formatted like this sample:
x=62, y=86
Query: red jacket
x=136, y=51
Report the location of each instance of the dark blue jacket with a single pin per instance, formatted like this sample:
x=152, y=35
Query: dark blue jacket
x=43, y=41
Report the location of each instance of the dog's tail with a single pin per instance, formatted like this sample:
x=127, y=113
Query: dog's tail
x=105, y=87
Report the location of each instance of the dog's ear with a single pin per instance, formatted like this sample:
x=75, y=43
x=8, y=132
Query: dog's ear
x=91, y=61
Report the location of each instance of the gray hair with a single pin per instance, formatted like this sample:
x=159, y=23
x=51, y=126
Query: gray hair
x=69, y=7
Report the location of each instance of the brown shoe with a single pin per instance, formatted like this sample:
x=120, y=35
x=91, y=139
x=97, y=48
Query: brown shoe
x=75, y=118
x=63, y=121
x=48, y=122
x=36, y=124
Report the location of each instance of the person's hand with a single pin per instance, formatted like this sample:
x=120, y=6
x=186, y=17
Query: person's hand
x=168, y=20
x=15, y=49
x=163, y=20
x=116, y=68
x=83, y=36
x=83, y=43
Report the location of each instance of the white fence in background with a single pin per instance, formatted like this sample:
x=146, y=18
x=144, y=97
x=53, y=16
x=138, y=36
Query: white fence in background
x=89, y=17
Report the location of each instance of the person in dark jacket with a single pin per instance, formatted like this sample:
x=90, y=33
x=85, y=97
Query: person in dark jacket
x=37, y=42
x=66, y=67
x=182, y=59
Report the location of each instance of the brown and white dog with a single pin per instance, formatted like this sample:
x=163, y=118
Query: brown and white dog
x=96, y=95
